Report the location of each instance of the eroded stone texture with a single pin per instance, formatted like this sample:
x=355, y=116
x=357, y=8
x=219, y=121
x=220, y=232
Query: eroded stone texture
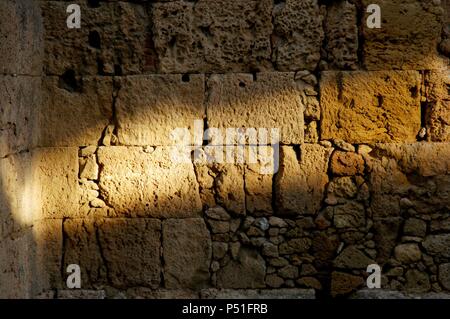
x=21, y=34
x=367, y=107
x=393, y=189
x=56, y=179
x=74, y=110
x=18, y=194
x=342, y=35
x=248, y=271
x=14, y=255
x=259, y=178
x=81, y=247
x=187, y=253
x=408, y=38
x=426, y=159
x=272, y=100
x=213, y=36
x=147, y=184
x=151, y=108
x=347, y=164
x=222, y=184
x=438, y=245
x=48, y=238
x=298, y=35
x=112, y=39
x=343, y=283
x=131, y=251
x=302, y=179
x=437, y=88
x=352, y=258
x=19, y=99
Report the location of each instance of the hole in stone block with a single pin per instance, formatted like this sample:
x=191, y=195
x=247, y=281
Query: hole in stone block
x=185, y=78
x=93, y=3
x=414, y=91
x=68, y=82
x=117, y=69
x=94, y=39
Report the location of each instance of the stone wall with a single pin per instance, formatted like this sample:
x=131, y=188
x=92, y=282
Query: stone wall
x=362, y=175
x=28, y=242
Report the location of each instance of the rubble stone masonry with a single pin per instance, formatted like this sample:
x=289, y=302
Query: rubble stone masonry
x=87, y=177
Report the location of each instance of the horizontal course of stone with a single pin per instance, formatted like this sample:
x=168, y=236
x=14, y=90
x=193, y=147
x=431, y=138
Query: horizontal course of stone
x=363, y=168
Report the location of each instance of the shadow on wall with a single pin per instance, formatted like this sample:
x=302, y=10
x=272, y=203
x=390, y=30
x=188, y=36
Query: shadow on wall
x=128, y=208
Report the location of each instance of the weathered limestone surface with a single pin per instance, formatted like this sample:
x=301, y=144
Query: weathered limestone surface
x=438, y=104
x=131, y=251
x=151, y=108
x=112, y=40
x=272, y=100
x=17, y=194
x=57, y=167
x=212, y=36
x=48, y=238
x=368, y=107
x=21, y=33
x=81, y=247
x=246, y=272
x=14, y=254
x=187, y=253
x=342, y=35
x=298, y=35
x=19, y=99
x=408, y=38
x=75, y=111
x=137, y=182
x=302, y=179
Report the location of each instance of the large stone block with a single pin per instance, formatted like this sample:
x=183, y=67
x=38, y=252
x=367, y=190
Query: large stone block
x=438, y=245
x=151, y=108
x=213, y=35
x=439, y=121
x=131, y=251
x=81, y=247
x=271, y=101
x=18, y=205
x=239, y=183
x=147, y=183
x=15, y=267
x=222, y=184
x=259, y=179
x=55, y=176
x=342, y=35
x=302, y=178
x=425, y=159
x=113, y=39
x=408, y=38
x=21, y=32
x=368, y=107
x=48, y=238
x=187, y=253
x=298, y=35
x=437, y=88
x=19, y=100
x=247, y=272
x=75, y=111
